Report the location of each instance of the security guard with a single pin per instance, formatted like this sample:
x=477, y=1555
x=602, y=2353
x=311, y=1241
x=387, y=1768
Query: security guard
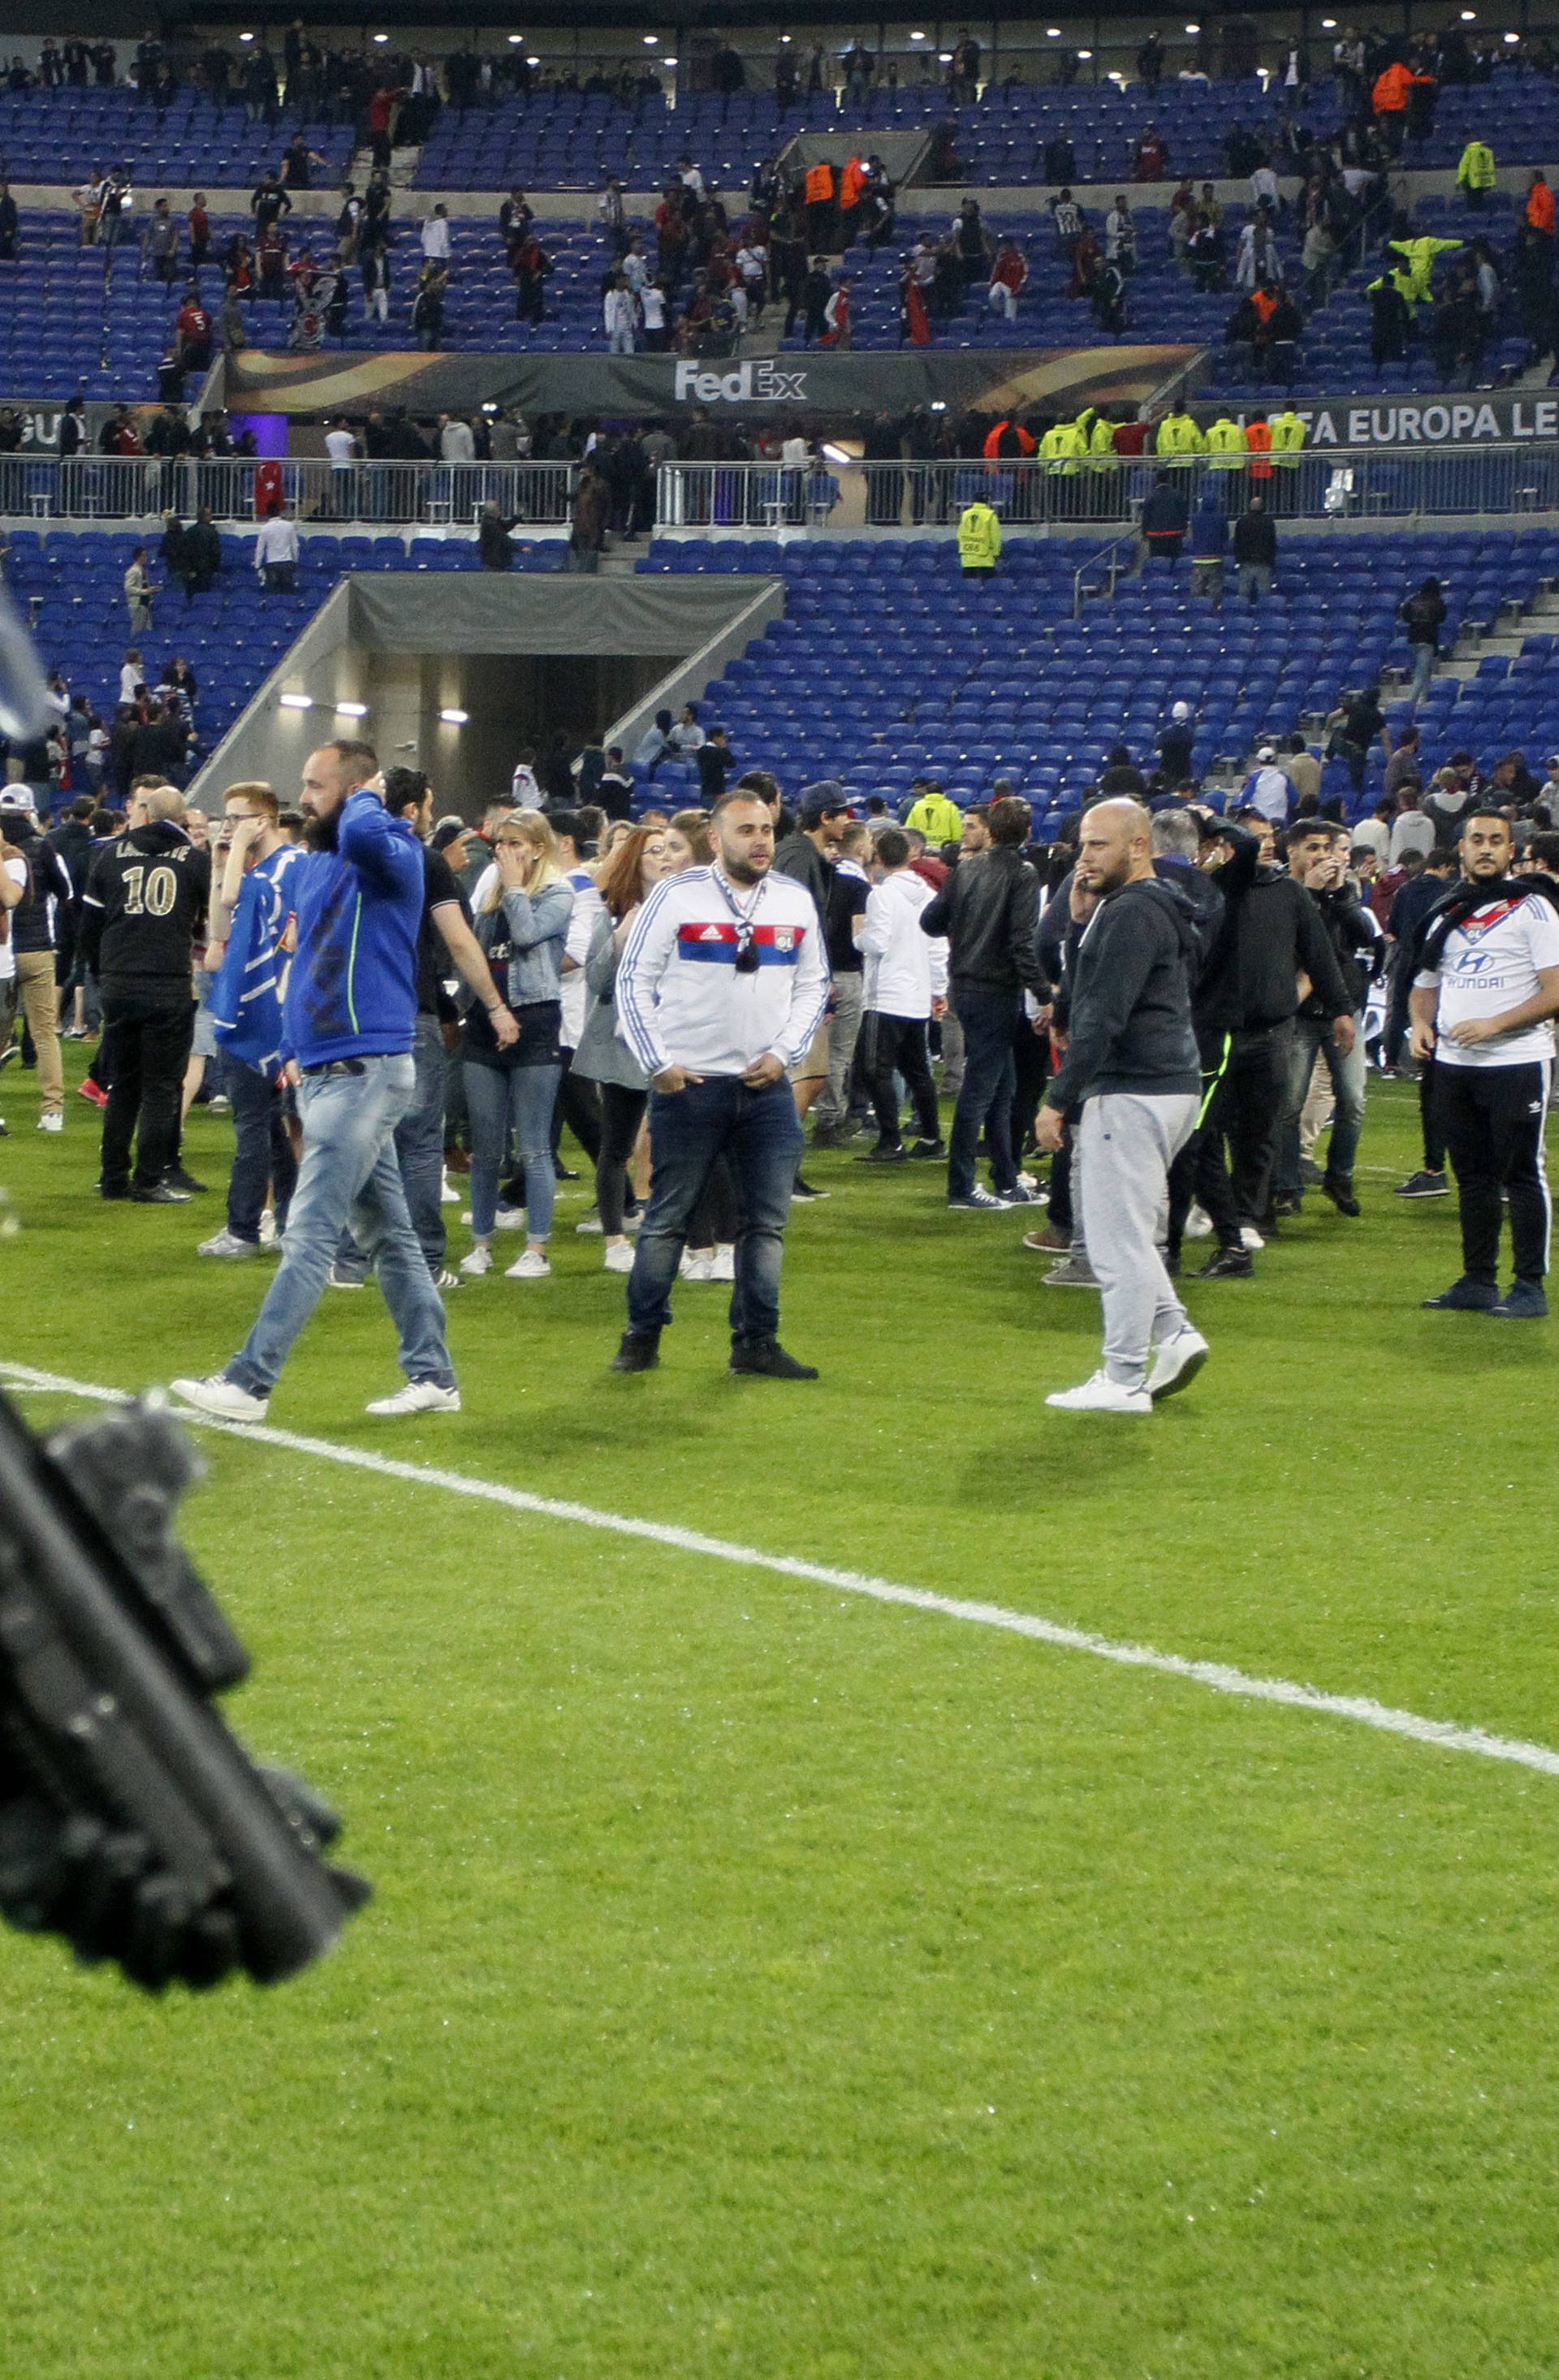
x=1476, y=173
x=1180, y=440
x=980, y=540
x=1226, y=444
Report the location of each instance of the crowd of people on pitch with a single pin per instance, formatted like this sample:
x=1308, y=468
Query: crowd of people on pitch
x=393, y=1005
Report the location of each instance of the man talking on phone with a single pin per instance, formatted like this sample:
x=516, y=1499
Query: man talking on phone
x=348, y=1030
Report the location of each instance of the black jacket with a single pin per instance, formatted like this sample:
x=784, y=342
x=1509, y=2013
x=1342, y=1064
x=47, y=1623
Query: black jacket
x=1270, y=932
x=1355, y=942
x=988, y=910
x=33, y=919
x=1130, y=1024
x=145, y=900
x=73, y=844
x=1256, y=537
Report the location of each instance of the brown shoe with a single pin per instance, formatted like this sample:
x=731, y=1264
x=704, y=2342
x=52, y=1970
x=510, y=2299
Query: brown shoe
x=1047, y=1242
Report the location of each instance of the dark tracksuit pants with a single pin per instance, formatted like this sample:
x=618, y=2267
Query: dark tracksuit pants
x=1493, y=1119
x=898, y=1047
x=1245, y=1109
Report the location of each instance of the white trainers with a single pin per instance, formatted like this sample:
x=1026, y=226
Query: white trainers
x=530, y=1266
x=448, y=1196
x=223, y=1399
x=1101, y=1394
x=591, y=1223
x=618, y=1259
x=227, y=1243
x=51, y=1122
x=1176, y=1362
x=269, y=1234
x=444, y=1278
x=697, y=1266
x=478, y=1261
x=418, y=1396
x=1198, y=1224
x=722, y=1263
x=1249, y=1237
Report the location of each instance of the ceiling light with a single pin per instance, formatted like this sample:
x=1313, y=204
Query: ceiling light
x=455, y=718
x=1329, y=24
x=1193, y=29
x=914, y=37
x=352, y=709
x=652, y=41
x=1513, y=36
x=245, y=37
x=1052, y=32
x=1469, y=16
x=380, y=37
x=515, y=40
x=532, y=62
x=668, y=62
x=1084, y=54
x=296, y=701
x=944, y=57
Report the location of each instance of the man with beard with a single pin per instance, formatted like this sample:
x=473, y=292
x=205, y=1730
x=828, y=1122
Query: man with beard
x=349, y=1027
x=724, y=981
x=1486, y=986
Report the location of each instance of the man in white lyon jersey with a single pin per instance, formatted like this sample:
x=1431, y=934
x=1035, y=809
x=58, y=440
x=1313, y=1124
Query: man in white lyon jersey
x=1486, y=984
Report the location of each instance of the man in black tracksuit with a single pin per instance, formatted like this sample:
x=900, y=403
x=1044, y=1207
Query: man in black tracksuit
x=988, y=911
x=145, y=900
x=1243, y=1009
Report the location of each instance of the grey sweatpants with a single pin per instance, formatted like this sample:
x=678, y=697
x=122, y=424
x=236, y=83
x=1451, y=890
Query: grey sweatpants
x=1127, y=1144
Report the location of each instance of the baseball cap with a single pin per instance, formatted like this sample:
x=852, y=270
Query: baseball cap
x=1266, y=753
x=449, y=830
x=19, y=800
x=819, y=801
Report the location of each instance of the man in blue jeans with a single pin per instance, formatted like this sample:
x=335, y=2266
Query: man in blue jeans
x=724, y=981
x=349, y=1025
x=250, y=909
x=988, y=910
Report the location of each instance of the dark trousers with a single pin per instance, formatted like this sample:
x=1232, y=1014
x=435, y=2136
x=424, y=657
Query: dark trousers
x=760, y=1131
x=1245, y=1110
x=898, y=1047
x=988, y=1019
x=419, y=1154
x=622, y=1112
x=1430, y=1120
x=145, y=1047
x=1031, y=1064
x=262, y=1158
x=578, y=1108
x=1493, y=1119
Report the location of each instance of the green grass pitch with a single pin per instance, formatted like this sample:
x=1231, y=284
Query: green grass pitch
x=765, y=1983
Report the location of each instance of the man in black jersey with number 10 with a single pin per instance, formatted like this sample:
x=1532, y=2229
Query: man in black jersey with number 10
x=145, y=898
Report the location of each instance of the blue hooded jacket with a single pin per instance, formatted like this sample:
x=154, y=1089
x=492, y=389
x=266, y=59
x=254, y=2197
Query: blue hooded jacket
x=352, y=992
x=1209, y=528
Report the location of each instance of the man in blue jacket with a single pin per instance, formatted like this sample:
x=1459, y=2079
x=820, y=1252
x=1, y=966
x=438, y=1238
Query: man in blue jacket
x=348, y=1027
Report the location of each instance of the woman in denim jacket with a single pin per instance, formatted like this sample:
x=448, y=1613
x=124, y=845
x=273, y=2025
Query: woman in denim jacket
x=523, y=911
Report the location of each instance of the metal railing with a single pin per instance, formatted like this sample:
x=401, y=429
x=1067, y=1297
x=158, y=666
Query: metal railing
x=1115, y=560
x=238, y=488
x=843, y=499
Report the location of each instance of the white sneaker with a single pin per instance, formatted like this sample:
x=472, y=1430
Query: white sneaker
x=227, y=1243
x=1249, y=1237
x=223, y=1399
x=477, y=1263
x=52, y=1121
x=1198, y=1224
x=722, y=1263
x=509, y=1219
x=530, y=1266
x=590, y=1224
x=1101, y=1394
x=1176, y=1362
x=418, y=1396
x=269, y=1234
x=699, y=1267
x=447, y=1196
x=444, y=1278
x=618, y=1259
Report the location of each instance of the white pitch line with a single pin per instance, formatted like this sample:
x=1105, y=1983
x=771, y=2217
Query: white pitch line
x=1216, y=1675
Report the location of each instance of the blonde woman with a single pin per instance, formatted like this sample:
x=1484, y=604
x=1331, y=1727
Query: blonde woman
x=523, y=911
x=627, y=879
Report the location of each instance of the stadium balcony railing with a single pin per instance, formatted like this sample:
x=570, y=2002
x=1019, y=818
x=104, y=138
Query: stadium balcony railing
x=846, y=498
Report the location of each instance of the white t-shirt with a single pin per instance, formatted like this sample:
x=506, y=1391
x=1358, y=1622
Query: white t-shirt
x=340, y=445
x=1491, y=963
x=17, y=870
x=652, y=303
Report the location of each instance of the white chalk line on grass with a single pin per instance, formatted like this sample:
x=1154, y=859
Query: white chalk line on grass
x=1216, y=1675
